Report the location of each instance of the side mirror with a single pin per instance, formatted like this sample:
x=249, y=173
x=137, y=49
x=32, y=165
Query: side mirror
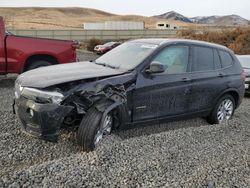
x=156, y=67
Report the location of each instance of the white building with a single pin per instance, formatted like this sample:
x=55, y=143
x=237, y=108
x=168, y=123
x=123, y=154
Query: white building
x=165, y=25
x=93, y=26
x=114, y=25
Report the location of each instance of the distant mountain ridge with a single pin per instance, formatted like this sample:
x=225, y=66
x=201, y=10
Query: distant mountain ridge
x=215, y=20
x=221, y=20
x=172, y=15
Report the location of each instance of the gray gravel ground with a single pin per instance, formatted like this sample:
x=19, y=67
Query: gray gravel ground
x=84, y=55
x=188, y=153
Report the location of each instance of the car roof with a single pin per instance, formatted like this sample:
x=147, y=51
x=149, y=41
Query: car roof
x=162, y=41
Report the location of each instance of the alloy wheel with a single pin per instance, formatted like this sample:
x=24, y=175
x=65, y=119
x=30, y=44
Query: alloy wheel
x=225, y=110
x=105, y=129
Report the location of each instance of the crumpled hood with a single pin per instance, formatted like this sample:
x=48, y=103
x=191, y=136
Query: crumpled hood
x=57, y=74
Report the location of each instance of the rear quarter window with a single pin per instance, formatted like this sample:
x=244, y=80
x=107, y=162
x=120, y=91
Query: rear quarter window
x=226, y=59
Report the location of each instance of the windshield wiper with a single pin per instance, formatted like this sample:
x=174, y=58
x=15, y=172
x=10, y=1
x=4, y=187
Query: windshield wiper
x=103, y=64
x=107, y=65
x=113, y=67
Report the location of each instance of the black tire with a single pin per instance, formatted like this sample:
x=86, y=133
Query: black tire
x=88, y=129
x=37, y=64
x=212, y=118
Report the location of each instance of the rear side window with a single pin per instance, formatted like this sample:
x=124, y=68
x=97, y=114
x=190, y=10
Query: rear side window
x=226, y=59
x=202, y=59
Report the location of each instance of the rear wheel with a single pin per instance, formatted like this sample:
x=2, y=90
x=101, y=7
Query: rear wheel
x=92, y=130
x=38, y=64
x=223, y=110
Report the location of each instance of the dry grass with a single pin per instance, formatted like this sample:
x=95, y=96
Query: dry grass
x=92, y=43
x=236, y=39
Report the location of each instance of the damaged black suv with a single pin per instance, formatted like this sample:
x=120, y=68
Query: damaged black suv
x=140, y=82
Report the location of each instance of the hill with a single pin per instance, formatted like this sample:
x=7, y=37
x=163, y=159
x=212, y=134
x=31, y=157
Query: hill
x=172, y=15
x=73, y=18
x=221, y=20
x=62, y=18
x=210, y=20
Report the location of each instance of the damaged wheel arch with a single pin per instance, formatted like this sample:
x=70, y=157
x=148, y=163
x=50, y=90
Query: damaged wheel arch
x=93, y=122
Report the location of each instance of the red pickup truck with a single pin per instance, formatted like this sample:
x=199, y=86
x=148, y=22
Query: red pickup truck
x=19, y=54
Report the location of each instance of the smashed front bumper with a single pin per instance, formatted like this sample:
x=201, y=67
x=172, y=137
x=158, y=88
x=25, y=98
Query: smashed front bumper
x=40, y=120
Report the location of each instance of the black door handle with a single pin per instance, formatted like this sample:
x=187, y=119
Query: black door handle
x=186, y=79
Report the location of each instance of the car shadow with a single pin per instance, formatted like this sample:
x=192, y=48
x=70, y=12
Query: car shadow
x=158, y=128
x=7, y=82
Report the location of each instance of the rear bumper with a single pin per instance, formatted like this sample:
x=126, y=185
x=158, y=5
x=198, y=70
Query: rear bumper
x=247, y=86
x=40, y=120
x=247, y=91
x=99, y=51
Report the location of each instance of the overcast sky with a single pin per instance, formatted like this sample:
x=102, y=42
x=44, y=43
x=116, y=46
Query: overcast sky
x=146, y=7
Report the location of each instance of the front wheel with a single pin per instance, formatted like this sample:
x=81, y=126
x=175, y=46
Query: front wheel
x=92, y=130
x=223, y=110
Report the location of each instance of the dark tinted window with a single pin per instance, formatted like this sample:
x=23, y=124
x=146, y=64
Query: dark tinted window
x=217, y=64
x=202, y=59
x=226, y=59
x=175, y=59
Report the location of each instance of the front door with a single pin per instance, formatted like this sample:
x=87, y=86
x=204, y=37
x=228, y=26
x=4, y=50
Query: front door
x=160, y=95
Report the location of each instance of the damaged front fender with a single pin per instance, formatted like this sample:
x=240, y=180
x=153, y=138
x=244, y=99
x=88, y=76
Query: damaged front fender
x=105, y=95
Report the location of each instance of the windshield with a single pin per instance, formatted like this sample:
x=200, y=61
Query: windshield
x=126, y=56
x=245, y=61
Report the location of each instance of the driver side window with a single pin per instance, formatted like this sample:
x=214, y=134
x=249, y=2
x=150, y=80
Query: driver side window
x=174, y=58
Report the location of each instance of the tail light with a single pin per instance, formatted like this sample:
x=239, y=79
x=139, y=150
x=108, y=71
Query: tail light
x=244, y=75
x=75, y=45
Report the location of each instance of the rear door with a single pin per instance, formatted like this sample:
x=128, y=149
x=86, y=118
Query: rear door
x=2, y=50
x=160, y=95
x=207, y=80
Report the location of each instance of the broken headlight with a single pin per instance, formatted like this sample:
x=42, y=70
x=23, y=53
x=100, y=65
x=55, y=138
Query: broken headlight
x=41, y=96
x=18, y=90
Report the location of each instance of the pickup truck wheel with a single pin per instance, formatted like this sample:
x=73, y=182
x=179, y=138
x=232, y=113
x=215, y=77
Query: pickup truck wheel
x=37, y=64
x=91, y=129
x=223, y=110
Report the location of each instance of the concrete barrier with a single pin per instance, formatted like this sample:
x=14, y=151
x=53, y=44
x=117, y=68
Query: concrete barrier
x=98, y=34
